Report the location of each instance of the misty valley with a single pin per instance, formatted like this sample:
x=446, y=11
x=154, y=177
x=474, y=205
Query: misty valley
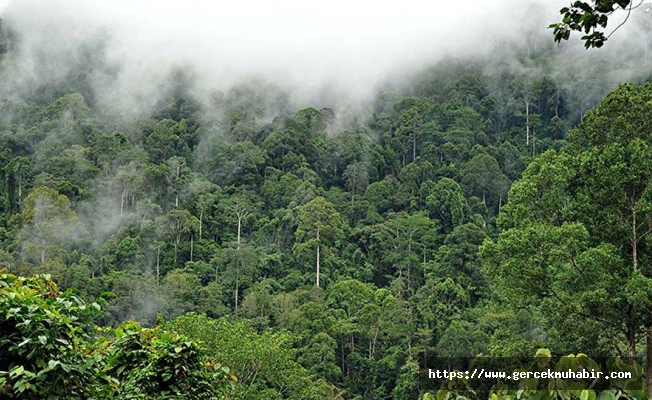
x=172, y=229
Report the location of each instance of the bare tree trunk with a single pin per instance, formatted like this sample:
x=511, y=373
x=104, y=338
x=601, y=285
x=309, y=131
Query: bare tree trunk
x=414, y=141
x=239, y=230
x=634, y=242
x=527, y=121
x=201, y=215
x=158, y=265
x=409, y=270
x=20, y=191
x=122, y=200
x=192, y=244
x=177, y=240
x=241, y=212
x=317, y=257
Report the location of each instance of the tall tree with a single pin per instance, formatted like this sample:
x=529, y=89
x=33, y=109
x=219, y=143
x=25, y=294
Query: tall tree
x=483, y=178
x=48, y=223
x=320, y=225
x=448, y=204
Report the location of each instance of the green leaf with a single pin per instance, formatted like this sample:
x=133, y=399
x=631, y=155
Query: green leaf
x=607, y=395
x=587, y=395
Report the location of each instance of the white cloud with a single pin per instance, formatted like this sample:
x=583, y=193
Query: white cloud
x=346, y=45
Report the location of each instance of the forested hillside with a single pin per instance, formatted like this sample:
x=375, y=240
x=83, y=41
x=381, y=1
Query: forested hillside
x=315, y=252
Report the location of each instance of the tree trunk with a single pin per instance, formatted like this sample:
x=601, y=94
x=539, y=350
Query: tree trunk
x=409, y=270
x=177, y=240
x=201, y=215
x=414, y=141
x=122, y=200
x=42, y=250
x=527, y=121
x=317, y=257
x=20, y=191
x=158, y=265
x=634, y=242
x=192, y=244
x=239, y=229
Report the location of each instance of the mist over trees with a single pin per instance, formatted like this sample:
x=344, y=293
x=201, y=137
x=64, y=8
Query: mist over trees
x=286, y=242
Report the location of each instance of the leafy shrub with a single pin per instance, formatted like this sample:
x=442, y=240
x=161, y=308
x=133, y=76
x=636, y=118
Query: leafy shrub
x=157, y=364
x=43, y=337
x=50, y=349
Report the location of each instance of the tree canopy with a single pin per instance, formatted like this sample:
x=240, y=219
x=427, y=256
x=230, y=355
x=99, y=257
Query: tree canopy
x=241, y=245
x=577, y=227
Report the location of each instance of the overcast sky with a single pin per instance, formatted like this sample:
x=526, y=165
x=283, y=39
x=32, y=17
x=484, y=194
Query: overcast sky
x=350, y=44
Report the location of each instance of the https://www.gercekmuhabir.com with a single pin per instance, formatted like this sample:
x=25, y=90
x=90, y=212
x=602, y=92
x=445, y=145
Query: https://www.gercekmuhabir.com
x=518, y=375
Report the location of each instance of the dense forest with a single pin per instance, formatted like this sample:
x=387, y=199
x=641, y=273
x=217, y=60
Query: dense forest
x=242, y=247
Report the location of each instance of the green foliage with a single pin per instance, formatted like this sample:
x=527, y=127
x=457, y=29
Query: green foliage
x=50, y=348
x=589, y=18
x=47, y=221
x=227, y=206
x=156, y=364
x=264, y=364
x=44, y=338
x=320, y=227
x=576, y=227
